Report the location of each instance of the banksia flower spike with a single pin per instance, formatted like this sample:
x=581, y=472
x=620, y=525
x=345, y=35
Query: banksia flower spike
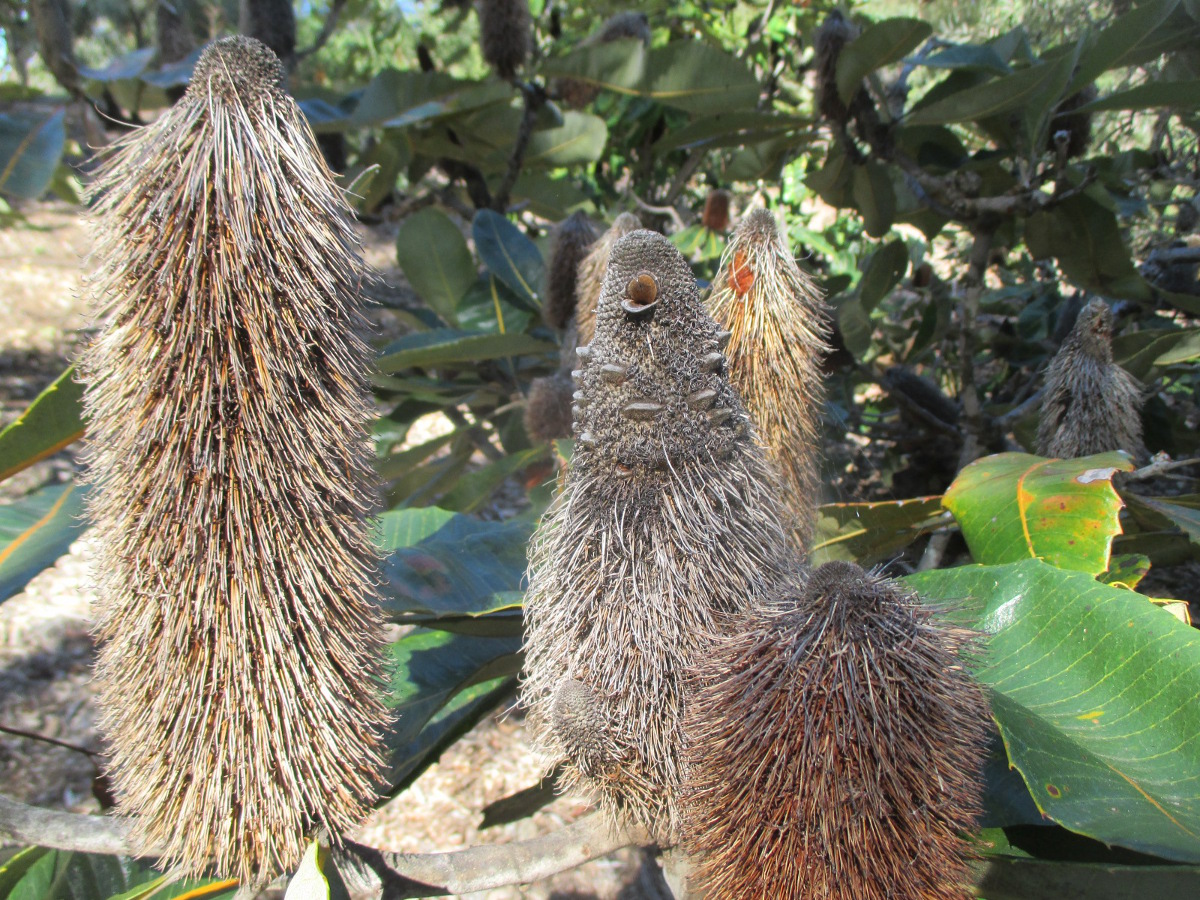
x=228, y=402
x=1091, y=404
x=779, y=326
x=667, y=526
x=505, y=34
x=591, y=273
x=834, y=749
x=571, y=242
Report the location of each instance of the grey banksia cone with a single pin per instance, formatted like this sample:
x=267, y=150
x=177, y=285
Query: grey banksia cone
x=228, y=405
x=779, y=326
x=667, y=526
x=835, y=745
x=1091, y=404
x=505, y=34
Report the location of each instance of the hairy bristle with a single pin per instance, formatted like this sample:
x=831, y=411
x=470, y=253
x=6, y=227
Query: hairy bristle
x=1091, y=404
x=571, y=242
x=591, y=273
x=505, y=34
x=668, y=524
x=779, y=326
x=834, y=749
x=228, y=408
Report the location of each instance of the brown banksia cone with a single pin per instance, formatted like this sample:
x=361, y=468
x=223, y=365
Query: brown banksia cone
x=716, y=210
x=668, y=524
x=1075, y=126
x=577, y=94
x=1091, y=404
x=835, y=745
x=505, y=34
x=228, y=408
x=779, y=326
x=590, y=279
x=831, y=38
x=571, y=242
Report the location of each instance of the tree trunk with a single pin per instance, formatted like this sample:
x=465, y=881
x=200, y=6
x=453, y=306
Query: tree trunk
x=51, y=18
x=274, y=23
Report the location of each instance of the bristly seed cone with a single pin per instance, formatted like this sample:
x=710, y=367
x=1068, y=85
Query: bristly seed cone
x=228, y=404
x=1091, y=404
x=668, y=525
x=835, y=745
x=591, y=273
x=779, y=326
x=505, y=34
x=571, y=242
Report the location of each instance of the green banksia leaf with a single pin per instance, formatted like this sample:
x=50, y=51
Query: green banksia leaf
x=591, y=273
x=1091, y=404
x=505, y=34
x=668, y=523
x=228, y=405
x=778, y=326
x=835, y=745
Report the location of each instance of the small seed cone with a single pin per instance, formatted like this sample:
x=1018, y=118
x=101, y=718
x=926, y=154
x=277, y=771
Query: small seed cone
x=575, y=235
x=779, y=328
x=833, y=35
x=505, y=34
x=1077, y=125
x=1092, y=405
x=591, y=274
x=834, y=749
x=228, y=402
x=667, y=525
x=716, y=210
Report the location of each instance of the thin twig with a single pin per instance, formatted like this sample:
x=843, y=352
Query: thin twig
x=34, y=736
x=1020, y=411
x=670, y=211
x=327, y=29
x=475, y=433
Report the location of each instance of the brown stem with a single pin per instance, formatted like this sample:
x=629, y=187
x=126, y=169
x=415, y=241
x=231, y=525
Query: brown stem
x=535, y=99
x=968, y=312
x=34, y=736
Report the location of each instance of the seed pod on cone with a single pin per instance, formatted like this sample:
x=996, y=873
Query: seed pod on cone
x=779, y=326
x=668, y=525
x=590, y=279
x=835, y=745
x=1091, y=404
x=228, y=405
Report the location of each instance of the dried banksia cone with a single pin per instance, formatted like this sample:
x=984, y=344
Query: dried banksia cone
x=228, y=402
x=779, y=327
x=505, y=34
x=834, y=749
x=668, y=524
x=590, y=279
x=1091, y=405
x=1075, y=127
x=833, y=35
x=577, y=94
x=716, y=211
x=575, y=235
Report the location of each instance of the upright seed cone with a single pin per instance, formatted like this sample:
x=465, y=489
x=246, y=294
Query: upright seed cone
x=779, y=326
x=834, y=749
x=668, y=524
x=571, y=242
x=591, y=273
x=1092, y=405
x=505, y=34
x=228, y=402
